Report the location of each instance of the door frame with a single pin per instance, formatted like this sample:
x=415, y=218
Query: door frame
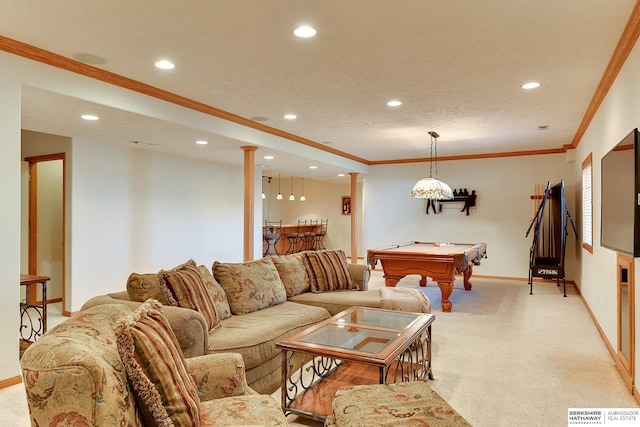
x=625, y=363
x=32, y=264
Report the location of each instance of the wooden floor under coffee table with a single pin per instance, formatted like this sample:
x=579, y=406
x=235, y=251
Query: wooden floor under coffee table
x=357, y=346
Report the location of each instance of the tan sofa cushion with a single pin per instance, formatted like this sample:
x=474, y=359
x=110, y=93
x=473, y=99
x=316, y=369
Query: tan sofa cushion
x=335, y=302
x=250, y=286
x=243, y=411
x=293, y=273
x=165, y=391
x=254, y=335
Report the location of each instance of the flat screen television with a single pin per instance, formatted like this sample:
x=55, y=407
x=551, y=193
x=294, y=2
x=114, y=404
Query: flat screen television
x=620, y=197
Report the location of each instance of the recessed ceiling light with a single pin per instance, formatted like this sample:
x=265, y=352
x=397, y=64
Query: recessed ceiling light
x=341, y=174
x=89, y=58
x=304, y=31
x=268, y=157
x=165, y=65
x=531, y=85
x=313, y=167
x=394, y=103
x=202, y=142
x=290, y=116
x=89, y=117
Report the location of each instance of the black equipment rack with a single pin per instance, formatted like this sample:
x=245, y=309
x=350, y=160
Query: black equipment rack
x=547, y=254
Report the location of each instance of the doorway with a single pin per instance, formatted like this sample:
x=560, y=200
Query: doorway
x=45, y=230
x=625, y=354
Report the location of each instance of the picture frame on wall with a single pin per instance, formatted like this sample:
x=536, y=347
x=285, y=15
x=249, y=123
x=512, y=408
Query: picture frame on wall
x=346, y=205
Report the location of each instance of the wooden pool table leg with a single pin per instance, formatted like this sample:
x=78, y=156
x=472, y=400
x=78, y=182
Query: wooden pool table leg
x=391, y=282
x=446, y=288
x=466, y=274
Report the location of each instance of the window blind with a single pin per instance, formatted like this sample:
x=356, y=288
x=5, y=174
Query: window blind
x=587, y=205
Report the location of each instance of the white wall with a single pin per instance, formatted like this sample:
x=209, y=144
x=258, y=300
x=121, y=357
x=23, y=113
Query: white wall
x=616, y=117
x=501, y=217
x=9, y=225
x=134, y=210
x=39, y=144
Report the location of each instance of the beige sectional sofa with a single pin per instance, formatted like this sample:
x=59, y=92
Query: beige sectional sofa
x=80, y=373
x=261, y=302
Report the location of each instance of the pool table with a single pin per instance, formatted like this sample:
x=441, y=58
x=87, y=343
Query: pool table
x=440, y=261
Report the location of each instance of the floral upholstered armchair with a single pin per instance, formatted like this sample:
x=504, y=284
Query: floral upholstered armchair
x=109, y=366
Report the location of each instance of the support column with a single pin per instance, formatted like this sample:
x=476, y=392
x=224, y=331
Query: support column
x=354, y=216
x=249, y=190
x=9, y=228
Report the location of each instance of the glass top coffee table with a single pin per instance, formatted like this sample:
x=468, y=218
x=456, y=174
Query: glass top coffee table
x=357, y=346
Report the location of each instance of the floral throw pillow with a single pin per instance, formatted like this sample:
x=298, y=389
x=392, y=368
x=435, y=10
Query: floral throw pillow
x=216, y=293
x=142, y=287
x=157, y=370
x=250, y=286
x=293, y=273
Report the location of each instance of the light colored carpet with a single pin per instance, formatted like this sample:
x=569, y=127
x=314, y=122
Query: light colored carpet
x=504, y=357
x=501, y=358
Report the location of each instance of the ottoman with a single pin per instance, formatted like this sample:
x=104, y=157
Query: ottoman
x=409, y=403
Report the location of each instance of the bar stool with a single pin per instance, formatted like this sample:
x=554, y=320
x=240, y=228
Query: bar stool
x=271, y=235
x=296, y=238
x=310, y=234
x=320, y=234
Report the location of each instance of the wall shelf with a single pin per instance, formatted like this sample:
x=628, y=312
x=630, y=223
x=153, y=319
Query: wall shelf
x=468, y=199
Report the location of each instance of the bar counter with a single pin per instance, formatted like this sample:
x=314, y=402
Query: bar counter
x=283, y=244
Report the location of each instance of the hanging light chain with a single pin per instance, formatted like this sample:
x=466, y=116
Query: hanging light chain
x=434, y=142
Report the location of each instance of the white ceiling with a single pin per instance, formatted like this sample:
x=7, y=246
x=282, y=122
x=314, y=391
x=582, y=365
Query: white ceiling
x=457, y=66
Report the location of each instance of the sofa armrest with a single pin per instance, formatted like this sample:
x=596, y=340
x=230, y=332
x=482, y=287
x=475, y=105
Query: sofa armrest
x=219, y=375
x=360, y=274
x=189, y=326
x=74, y=374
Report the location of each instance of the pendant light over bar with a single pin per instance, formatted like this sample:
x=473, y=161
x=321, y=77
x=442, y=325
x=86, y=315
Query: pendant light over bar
x=302, y=198
x=279, y=196
x=291, y=196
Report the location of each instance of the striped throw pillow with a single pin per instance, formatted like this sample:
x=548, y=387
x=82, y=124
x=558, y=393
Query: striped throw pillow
x=328, y=271
x=167, y=395
x=189, y=290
